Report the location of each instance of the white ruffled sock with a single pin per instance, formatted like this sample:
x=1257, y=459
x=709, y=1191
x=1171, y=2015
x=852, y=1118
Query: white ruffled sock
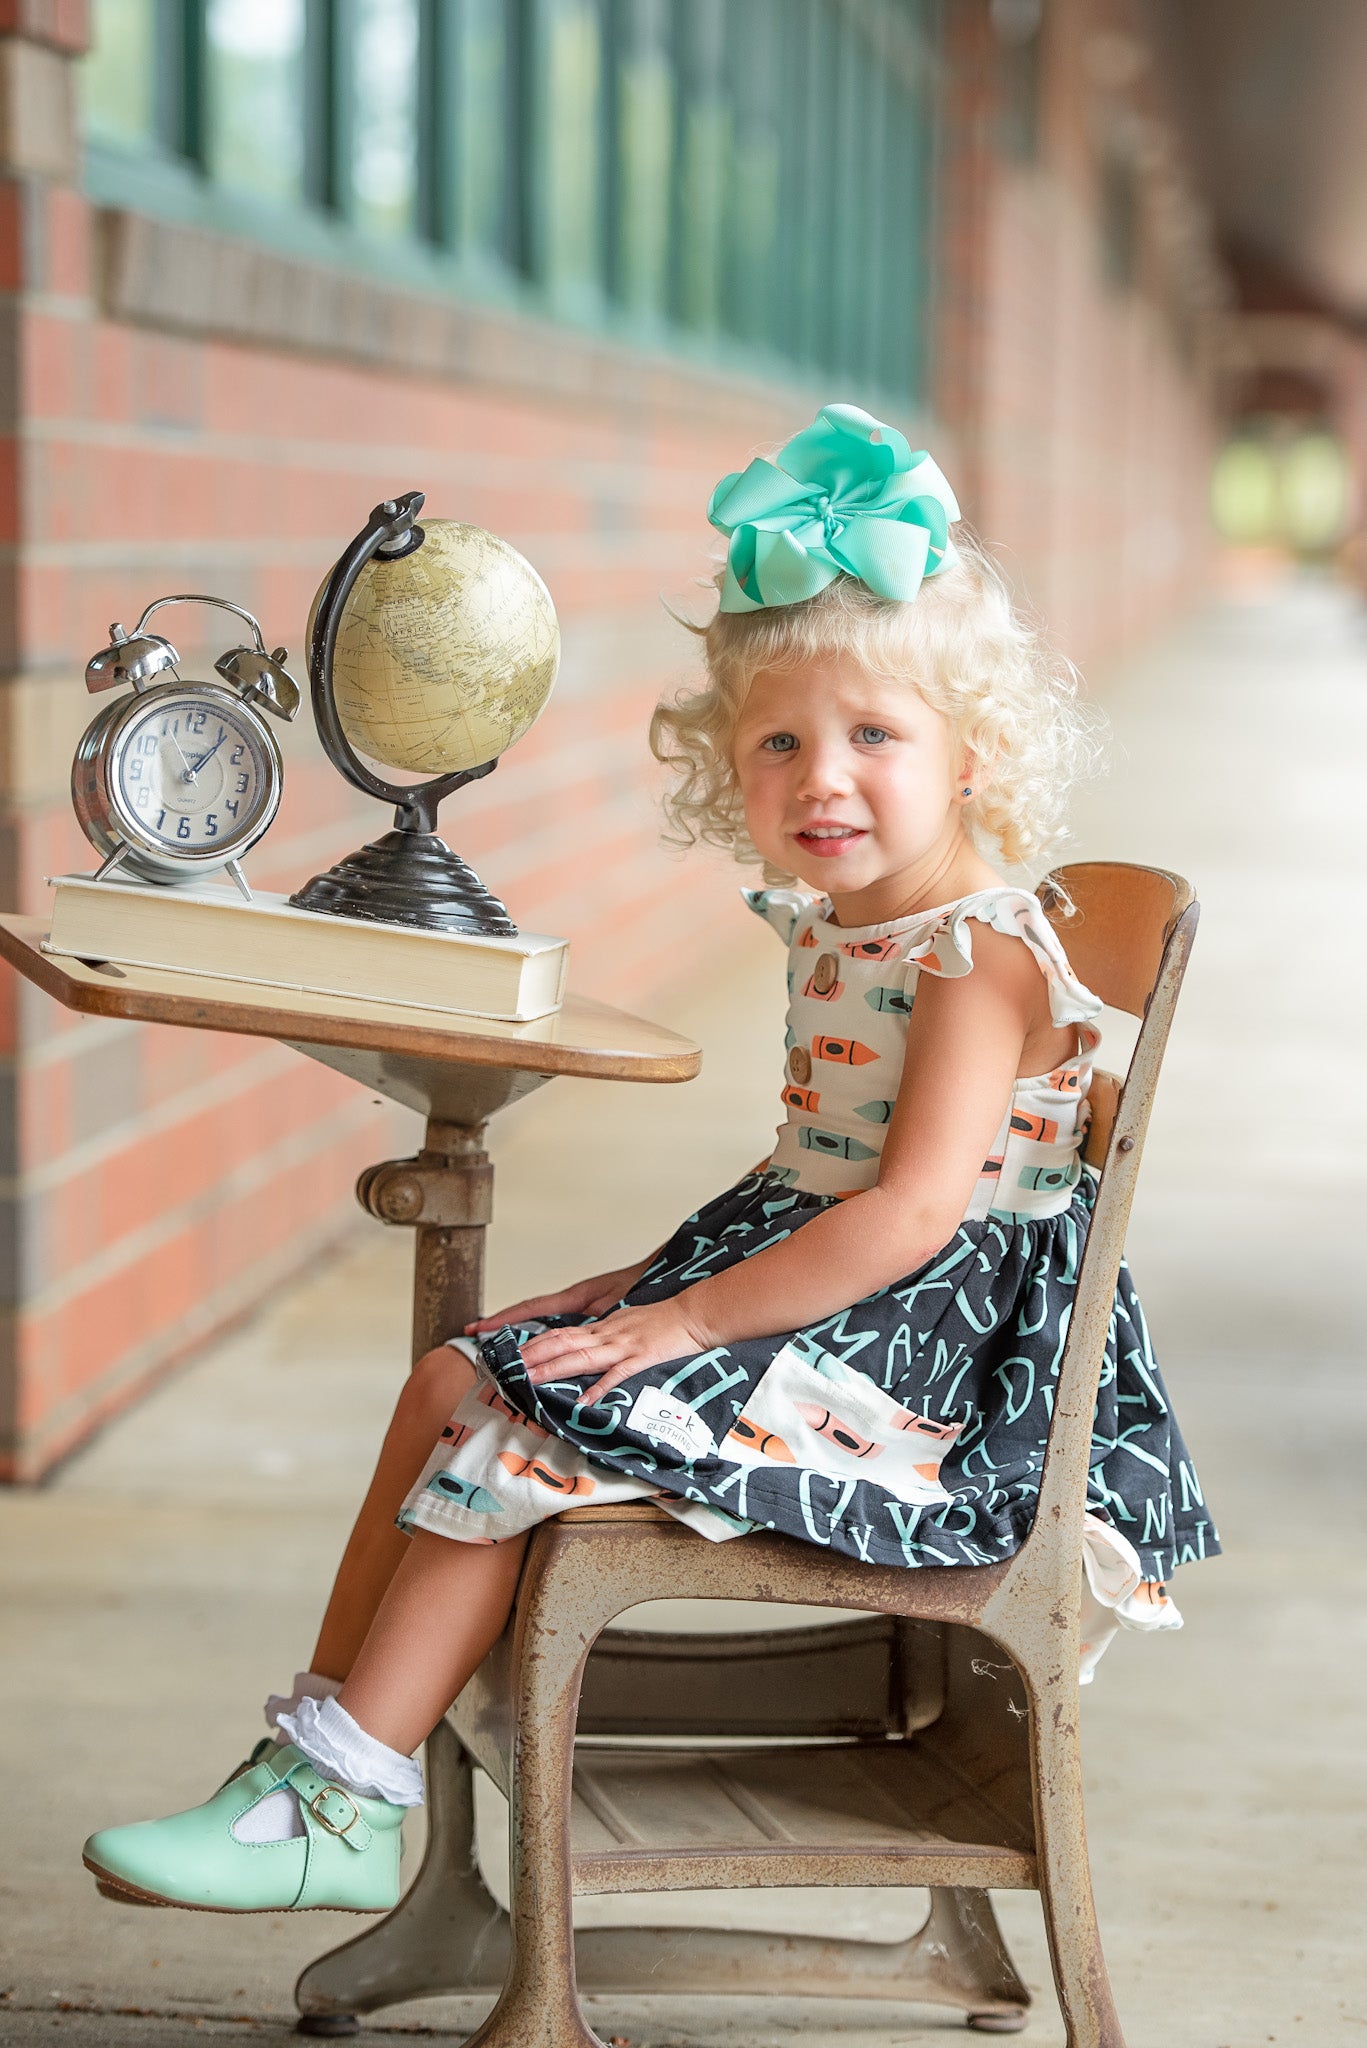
x=339, y=1749
x=308, y=1685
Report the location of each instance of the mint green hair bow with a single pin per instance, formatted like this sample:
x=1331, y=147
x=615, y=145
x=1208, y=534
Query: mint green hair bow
x=846, y=496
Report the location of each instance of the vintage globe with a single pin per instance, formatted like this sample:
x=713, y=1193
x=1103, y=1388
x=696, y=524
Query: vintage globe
x=446, y=656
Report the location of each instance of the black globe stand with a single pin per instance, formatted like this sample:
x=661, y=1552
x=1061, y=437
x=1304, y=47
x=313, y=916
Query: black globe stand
x=409, y=875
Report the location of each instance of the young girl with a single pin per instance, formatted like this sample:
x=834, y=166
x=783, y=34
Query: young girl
x=856, y=1344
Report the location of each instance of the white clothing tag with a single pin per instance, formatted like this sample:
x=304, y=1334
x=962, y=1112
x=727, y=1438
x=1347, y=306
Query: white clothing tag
x=670, y=1422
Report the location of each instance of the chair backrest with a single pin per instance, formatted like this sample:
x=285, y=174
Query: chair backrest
x=1128, y=932
x=1113, y=920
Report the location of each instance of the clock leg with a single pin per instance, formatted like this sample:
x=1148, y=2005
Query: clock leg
x=114, y=860
x=235, y=870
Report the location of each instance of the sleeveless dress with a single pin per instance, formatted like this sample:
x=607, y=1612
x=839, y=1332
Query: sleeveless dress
x=910, y=1427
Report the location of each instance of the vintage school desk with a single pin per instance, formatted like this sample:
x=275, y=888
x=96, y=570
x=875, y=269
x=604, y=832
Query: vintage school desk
x=455, y=1070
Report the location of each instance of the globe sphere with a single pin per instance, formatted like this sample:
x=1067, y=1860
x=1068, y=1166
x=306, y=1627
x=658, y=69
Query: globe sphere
x=446, y=656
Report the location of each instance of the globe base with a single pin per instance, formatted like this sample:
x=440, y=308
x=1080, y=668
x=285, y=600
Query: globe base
x=410, y=878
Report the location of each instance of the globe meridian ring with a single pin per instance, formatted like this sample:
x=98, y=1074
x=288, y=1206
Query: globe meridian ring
x=445, y=657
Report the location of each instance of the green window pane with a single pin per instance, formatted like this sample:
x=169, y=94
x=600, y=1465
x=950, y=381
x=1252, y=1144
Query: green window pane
x=702, y=164
x=851, y=254
x=573, y=147
x=645, y=157
x=750, y=204
x=384, y=123
x=255, y=52
x=480, y=115
x=118, y=78
x=784, y=321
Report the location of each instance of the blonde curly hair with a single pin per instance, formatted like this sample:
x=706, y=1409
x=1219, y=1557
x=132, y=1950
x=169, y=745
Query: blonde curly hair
x=1010, y=701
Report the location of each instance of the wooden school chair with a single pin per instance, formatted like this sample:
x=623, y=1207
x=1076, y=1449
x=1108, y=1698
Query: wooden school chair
x=929, y=1738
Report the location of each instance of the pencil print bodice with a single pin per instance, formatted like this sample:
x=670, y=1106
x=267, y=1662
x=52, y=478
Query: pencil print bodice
x=850, y=997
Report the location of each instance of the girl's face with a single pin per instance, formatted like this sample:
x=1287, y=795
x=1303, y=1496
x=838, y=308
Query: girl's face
x=849, y=781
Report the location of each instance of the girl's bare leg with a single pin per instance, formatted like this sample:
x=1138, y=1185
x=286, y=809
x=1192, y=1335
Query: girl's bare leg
x=435, y=1388
x=442, y=1612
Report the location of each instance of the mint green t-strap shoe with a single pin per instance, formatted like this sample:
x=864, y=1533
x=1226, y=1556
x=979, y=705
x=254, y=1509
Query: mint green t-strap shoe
x=347, y=1859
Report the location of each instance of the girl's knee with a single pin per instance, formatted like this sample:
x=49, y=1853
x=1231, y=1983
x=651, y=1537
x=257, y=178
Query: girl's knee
x=436, y=1386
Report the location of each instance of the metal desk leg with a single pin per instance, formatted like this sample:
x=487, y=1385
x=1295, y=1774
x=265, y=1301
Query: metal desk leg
x=447, y=1931
x=446, y=1195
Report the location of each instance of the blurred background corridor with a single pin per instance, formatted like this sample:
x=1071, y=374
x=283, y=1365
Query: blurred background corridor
x=560, y=264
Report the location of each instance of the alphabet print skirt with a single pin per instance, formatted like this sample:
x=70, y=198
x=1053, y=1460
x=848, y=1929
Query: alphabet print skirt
x=907, y=1430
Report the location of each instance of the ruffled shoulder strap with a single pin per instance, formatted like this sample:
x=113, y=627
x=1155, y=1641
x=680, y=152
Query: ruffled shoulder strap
x=946, y=947
x=779, y=907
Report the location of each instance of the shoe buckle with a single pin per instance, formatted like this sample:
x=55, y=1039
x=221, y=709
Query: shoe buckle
x=324, y=1820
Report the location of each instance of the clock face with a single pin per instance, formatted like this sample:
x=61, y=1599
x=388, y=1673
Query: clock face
x=191, y=775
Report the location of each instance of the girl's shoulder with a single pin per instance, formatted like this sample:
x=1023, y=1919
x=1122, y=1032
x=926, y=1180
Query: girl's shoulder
x=946, y=948
x=780, y=908
x=938, y=941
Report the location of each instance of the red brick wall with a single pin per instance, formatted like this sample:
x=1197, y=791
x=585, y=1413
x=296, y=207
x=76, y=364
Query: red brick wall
x=161, y=1180
x=157, y=1182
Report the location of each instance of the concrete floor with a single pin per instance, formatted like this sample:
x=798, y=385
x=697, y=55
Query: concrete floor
x=172, y=1574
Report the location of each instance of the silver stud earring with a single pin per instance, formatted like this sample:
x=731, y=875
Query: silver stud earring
x=968, y=789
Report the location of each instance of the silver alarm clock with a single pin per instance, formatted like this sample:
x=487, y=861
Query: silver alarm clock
x=182, y=777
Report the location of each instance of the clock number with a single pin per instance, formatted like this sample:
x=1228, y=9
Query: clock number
x=241, y=785
x=236, y=756
x=148, y=743
x=195, y=721
x=135, y=771
x=231, y=805
x=161, y=819
x=143, y=798
x=183, y=829
x=211, y=824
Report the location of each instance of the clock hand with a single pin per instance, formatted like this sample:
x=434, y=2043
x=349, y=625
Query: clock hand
x=199, y=760
x=189, y=775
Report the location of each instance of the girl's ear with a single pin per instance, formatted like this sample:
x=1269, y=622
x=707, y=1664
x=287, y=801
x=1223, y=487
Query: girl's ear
x=971, y=777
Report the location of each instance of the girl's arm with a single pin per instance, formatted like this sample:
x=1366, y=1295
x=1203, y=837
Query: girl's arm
x=964, y=1045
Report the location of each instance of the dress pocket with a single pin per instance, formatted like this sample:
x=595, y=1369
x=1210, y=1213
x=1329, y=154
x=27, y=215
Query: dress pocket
x=810, y=1409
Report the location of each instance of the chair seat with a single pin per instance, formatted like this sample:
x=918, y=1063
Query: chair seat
x=651, y=1819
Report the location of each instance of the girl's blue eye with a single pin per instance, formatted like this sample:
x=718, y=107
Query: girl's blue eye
x=779, y=743
x=870, y=734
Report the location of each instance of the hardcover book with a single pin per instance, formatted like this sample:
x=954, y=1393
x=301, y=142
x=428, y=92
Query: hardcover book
x=209, y=929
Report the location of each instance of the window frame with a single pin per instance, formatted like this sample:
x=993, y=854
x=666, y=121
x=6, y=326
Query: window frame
x=874, y=344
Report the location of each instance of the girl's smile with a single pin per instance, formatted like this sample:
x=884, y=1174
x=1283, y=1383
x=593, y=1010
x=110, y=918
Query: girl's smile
x=853, y=782
x=825, y=839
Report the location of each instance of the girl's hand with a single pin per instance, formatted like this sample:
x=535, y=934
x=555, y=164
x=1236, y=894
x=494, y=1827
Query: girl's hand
x=584, y=1298
x=616, y=1349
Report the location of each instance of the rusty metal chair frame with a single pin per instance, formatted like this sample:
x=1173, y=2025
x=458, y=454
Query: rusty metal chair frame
x=944, y=1717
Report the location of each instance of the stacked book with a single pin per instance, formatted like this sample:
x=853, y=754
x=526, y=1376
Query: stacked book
x=210, y=930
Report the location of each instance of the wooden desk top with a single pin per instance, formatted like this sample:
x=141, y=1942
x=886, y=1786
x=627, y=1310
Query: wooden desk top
x=584, y=1037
